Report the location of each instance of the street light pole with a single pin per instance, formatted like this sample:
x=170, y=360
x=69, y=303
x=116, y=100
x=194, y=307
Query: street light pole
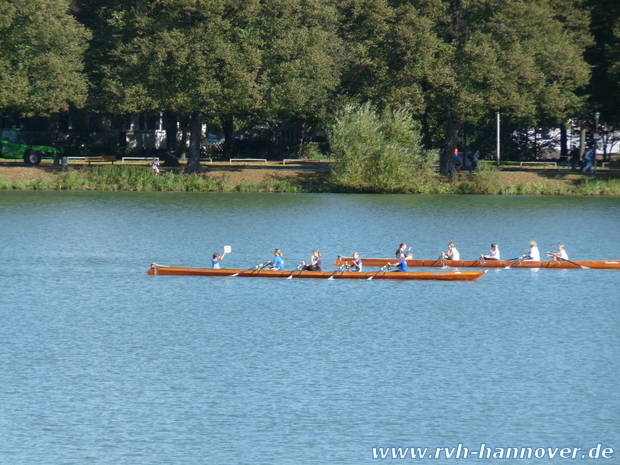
x=498, y=139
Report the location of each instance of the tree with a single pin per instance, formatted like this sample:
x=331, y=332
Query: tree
x=41, y=57
x=301, y=62
x=521, y=57
x=183, y=56
x=604, y=56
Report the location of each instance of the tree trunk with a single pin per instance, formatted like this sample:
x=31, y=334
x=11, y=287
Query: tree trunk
x=170, y=122
x=563, y=142
x=300, y=149
x=195, y=138
x=184, y=127
x=228, y=127
x=120, y=124
x=446, y=159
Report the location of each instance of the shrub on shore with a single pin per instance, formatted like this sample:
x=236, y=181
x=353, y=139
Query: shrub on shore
x=487, y=180
x=378, y=151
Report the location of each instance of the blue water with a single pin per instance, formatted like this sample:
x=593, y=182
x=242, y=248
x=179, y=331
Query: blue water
x=102, y=364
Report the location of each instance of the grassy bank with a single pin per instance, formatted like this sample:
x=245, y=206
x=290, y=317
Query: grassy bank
x=139, y=178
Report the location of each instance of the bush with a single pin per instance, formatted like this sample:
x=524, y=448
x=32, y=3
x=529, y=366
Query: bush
x=376, y=152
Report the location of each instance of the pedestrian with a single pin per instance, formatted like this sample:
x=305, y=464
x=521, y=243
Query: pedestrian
x=155, y=166
x=589, y=161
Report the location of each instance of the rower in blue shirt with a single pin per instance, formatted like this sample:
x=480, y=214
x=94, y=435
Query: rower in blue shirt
x=402, y=263
x=356, y=265
x=278, y=261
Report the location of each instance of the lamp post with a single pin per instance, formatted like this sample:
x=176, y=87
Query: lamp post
x=498, y=138
x=595, y=133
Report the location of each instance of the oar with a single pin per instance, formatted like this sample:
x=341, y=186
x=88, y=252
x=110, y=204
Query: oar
x=249, y=269
x=342, y=268
x=518, y=260
x=298, y=269
x=380, y=270
x=582, y=266
x=440, y=258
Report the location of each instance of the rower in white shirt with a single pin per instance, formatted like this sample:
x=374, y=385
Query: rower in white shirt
x=559, y=255
x=493, y=253
x=533, y=253
x=452, y=254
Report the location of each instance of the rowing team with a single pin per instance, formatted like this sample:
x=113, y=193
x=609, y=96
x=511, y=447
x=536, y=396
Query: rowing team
x=453, y=253
x=316, y=261
x=402, y=255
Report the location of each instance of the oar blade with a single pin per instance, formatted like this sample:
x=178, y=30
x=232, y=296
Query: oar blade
x=249, y=269
x=380, y=270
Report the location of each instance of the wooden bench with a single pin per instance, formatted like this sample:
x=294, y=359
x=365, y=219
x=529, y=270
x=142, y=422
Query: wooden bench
x=251, y=160
x=551, y=164
x=102, y=159
x=147, y=159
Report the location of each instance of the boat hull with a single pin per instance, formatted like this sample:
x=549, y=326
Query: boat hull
x=597, y=264
x=161, y=270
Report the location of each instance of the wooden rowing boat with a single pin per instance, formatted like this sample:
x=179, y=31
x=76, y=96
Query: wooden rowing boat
x=254, y=273
x=598, y=264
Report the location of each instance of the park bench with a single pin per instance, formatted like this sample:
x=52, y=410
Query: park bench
x=101, y=159
x=551, y=164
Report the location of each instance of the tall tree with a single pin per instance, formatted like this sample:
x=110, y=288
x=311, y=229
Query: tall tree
x=301, y=63
x=454, y=62
x=604, y=56
x=522, y=57
x=41, y=57
x=183, y=56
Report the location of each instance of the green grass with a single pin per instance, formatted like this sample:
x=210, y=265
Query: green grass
x=487, y=180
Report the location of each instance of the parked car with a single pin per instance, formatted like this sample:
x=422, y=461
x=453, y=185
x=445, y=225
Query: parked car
x=13, y=146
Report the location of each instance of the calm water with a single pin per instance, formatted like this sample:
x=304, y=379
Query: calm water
x=102, y=364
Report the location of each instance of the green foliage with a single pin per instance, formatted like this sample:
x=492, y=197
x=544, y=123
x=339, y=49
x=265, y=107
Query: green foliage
x=604, y=87
x=485, y=180
x=312, y=151
x=376, y=151
x=295, y=63
x=41, y=57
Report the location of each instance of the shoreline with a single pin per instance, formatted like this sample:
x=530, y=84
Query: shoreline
x=295, y=177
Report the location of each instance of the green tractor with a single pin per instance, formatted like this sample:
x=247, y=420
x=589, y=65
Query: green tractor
x=13, y=146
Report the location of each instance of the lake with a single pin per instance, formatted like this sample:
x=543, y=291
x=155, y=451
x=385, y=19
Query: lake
x=102, y=364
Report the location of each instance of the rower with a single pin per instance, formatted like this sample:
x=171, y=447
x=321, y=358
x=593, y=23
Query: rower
x=493, y=253
x=560, y=255
x=316, y=262
x=402, y=248
x=452, y=254
x=356, y=265
x=278, y=261
x=402, y=263
x=533, y=253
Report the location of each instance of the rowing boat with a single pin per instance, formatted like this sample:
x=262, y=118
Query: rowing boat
x=161, y=270
x=598, y=264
